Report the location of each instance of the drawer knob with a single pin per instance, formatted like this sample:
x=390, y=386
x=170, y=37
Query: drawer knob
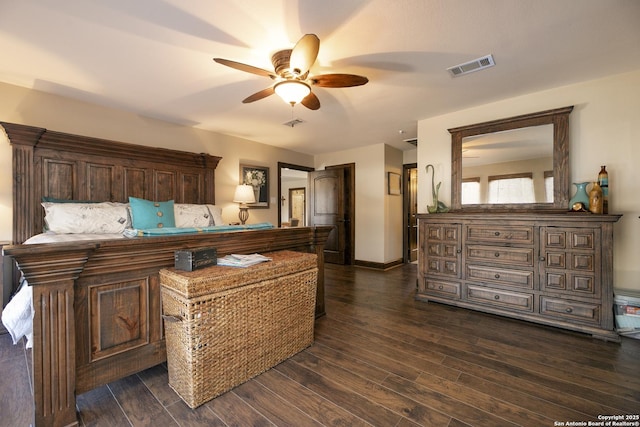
x=497, y=233
x=541, y=258
x=497, y=297
x=569, y=310
x=440, y=287
x=497, y=254
x=497, y=276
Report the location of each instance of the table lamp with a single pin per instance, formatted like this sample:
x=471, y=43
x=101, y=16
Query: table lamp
x=244, y=194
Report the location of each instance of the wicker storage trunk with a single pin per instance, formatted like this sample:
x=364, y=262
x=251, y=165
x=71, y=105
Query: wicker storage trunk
x=225, y=325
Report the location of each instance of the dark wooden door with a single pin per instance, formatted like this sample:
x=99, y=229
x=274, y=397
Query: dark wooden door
x=327, y=207
x=410, y=192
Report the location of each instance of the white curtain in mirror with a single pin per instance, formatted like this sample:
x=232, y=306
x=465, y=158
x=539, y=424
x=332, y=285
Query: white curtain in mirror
x=548, y=188
x=511, y=190
x=471, y=192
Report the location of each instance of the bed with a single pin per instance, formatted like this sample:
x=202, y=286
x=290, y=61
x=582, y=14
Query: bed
x=97, y=310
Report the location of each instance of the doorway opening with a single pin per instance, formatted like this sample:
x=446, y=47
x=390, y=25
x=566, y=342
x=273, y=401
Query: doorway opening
x=293, y=177
x=298, y=206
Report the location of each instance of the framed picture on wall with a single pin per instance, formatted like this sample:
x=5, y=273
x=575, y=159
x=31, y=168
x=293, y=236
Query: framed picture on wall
x=394, y=183
x=258, y=178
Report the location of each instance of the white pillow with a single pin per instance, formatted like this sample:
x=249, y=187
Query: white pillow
x=217, y=214
x=188, y=215
x=98, y=218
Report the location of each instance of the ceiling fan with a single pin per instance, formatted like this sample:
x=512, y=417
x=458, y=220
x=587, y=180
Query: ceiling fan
x=291, y=74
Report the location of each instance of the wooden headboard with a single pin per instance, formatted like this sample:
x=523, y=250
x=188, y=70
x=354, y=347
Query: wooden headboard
x=73, y=167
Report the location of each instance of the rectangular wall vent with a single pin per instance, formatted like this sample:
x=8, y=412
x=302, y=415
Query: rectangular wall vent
x=472, y=66
x=412, y=141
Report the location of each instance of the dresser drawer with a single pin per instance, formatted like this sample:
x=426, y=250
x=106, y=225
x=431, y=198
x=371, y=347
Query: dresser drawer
x=570, y=310
x=499, y=254
x=443, y=289
x=519, y=278
x=490, y=233
x=500, y=298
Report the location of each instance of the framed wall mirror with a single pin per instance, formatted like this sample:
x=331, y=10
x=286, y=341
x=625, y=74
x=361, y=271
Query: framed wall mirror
x=513, y=164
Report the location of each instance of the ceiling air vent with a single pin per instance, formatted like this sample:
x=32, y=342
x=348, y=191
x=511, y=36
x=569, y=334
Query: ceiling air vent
x=471, y=66
x=412, y=141
x=291, y=123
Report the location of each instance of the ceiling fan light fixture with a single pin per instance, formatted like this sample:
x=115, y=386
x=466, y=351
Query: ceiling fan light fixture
x=292, y=91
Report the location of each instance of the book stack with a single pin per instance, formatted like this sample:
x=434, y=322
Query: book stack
x=238, y=260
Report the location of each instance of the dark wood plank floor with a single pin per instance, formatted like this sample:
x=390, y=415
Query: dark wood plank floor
x=383, y=359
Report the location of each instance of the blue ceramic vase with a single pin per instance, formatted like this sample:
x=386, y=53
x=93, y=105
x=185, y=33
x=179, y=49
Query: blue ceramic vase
x=580, y=195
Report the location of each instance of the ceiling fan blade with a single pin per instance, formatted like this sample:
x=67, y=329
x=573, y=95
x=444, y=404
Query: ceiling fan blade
x=304, y=54
x=259, y=95
x=244, y=67
x=338, y=80
x=311, y=101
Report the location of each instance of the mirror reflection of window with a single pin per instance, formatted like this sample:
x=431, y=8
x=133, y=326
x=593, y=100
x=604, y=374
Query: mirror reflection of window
x=548, y=186
x=513, y=152
x=511, y=189
x=471, y=191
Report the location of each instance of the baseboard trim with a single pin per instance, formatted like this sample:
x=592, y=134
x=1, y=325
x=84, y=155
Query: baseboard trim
x=378, y=265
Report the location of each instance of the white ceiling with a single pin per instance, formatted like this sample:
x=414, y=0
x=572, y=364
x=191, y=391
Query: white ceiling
x=154, y=58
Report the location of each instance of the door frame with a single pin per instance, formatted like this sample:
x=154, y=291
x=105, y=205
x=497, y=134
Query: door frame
x=283, y=165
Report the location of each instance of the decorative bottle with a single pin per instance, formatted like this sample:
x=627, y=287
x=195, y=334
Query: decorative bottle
x=596, y=199
x=603, y=181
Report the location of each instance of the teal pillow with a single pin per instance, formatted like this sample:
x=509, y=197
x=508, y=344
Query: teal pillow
x=146, y=214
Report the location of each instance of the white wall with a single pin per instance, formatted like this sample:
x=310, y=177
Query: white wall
x=35, y=108
x=393, y=231
x=410, y=156
x=372, y=216
x=604, y=130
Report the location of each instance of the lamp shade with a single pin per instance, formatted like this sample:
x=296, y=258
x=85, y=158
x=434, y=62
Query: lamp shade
x=244, y=194
x=292, y=91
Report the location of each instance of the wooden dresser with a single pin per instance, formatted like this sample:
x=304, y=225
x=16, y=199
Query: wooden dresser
x=550, y=268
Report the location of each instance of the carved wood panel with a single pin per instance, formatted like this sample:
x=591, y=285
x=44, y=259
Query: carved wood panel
x=119, y=317
x=164, y=186
x=190, y=186
x=135, y=183
x=101, y=180
x=56, y=176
